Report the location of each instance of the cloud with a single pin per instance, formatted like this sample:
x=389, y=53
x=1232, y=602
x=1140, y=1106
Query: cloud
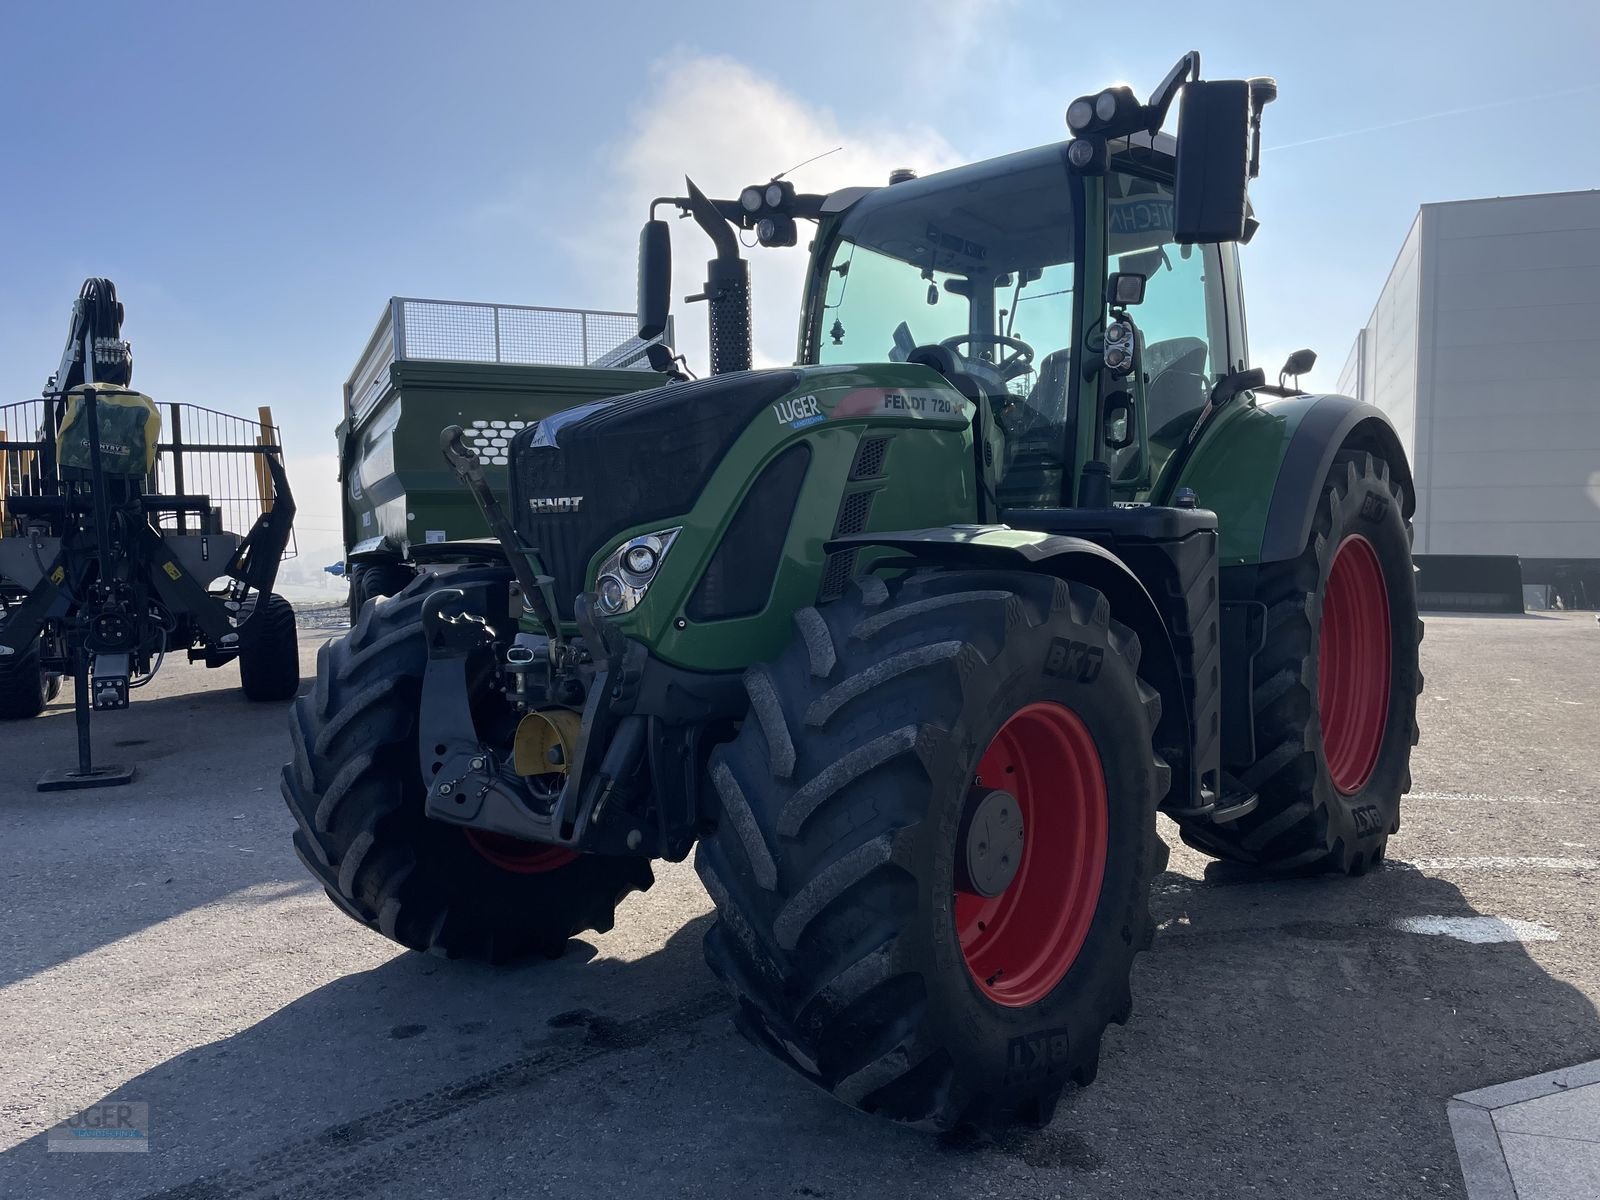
x=717, y=121
x=709, y=117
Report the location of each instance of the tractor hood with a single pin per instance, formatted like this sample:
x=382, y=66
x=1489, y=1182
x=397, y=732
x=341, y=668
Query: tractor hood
x=582, y=478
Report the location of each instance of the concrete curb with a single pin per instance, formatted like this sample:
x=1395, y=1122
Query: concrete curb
x=1479, y=1147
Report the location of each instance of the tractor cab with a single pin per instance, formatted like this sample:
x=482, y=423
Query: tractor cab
x=978, y=273
x=1082, y=295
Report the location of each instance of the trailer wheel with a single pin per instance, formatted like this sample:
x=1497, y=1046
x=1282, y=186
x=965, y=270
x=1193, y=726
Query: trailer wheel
x=935, y=843
x=269, y=651
x=376, y=581
x=1336, y=687
x=24, y=687
x=356, y=791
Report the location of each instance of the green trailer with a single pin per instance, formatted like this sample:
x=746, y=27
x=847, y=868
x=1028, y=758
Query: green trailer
x=493, y=369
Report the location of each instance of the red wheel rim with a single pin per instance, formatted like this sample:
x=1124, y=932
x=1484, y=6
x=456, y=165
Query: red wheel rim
x=1353, y=664
x=1019, y=944
x=515, y=855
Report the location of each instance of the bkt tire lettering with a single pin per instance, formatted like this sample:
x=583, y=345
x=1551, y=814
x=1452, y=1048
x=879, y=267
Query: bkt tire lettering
x=1067, y=659
x=1035, y=1057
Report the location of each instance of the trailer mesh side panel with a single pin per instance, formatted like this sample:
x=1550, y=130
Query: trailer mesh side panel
x=201, y=452
x=449, y=331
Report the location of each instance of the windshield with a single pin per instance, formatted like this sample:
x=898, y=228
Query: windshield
x=980, y=259
x=983, y=250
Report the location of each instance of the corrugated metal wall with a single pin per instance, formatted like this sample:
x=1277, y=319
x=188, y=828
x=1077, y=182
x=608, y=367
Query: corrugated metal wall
x=1484, y=349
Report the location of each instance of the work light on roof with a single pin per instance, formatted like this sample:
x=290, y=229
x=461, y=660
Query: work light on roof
x=1080, y=114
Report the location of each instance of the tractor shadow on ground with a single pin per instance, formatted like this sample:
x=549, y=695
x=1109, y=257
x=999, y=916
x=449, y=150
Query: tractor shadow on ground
x=1296, y=1010
x=1284, y=1031
x=1300, y=1022
x=201, y=820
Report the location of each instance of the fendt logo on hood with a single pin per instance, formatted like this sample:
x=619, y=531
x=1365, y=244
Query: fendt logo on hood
x=555, y=504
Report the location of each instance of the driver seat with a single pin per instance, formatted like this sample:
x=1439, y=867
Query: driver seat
x=1048, y=397
x=1176, y=393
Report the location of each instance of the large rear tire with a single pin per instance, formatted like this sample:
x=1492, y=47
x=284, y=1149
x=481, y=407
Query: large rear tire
x=1336, y=686
x=857, y=813
x=377, y=581
x=269, y=651
x=355, y=787
x=25, y=689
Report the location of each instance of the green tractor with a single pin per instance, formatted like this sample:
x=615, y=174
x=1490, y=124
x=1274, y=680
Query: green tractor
x=913, y=639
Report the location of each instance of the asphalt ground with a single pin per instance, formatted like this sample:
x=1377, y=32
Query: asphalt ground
x=161, y=944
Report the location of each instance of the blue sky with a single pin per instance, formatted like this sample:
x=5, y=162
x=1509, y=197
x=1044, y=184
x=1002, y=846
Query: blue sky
x=257, y=179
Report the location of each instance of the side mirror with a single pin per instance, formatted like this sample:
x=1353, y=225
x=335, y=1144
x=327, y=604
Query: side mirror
x=1119, y=421
x=655, y=278
x=662, y=359
x=1299, y=363
x=1213, y=162
x=1125, y=288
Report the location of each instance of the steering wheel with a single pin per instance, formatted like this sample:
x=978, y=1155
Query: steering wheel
x=1020, y=362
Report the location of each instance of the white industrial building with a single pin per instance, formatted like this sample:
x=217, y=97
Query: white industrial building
x=1484, y=350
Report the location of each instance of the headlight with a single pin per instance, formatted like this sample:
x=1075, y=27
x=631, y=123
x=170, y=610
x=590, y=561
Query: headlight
x=640, y=559
x=625, y=575
x=1079, y=113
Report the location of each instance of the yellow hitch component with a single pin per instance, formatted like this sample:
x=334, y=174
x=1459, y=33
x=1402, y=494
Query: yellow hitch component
x=538, y=734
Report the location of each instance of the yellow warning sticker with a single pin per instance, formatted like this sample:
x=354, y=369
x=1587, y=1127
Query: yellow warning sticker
x=172, y=570
x=58, y=575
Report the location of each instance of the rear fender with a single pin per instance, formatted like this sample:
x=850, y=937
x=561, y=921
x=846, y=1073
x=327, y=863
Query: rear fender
x=1328, y=425
x=999, y=547
x=1260, y=467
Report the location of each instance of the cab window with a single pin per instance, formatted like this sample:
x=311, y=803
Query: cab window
x=1181, y=323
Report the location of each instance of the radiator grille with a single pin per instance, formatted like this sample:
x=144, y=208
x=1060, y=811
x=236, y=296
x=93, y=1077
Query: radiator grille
x=869, y=458
x=840, y=566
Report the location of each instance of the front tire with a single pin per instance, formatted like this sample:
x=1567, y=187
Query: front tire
x=1336, y=686
x=854, y=928
x=25, y=689
x=356, y=790
x=269, y=651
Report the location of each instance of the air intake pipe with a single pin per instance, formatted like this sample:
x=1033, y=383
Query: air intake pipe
x=727, y=288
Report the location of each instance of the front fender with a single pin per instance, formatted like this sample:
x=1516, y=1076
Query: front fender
x=999, y=547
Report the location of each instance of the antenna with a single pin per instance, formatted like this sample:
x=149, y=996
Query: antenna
x=807, y=163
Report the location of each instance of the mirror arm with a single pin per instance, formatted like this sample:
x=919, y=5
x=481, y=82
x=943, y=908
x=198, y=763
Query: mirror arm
x=1160, y=102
